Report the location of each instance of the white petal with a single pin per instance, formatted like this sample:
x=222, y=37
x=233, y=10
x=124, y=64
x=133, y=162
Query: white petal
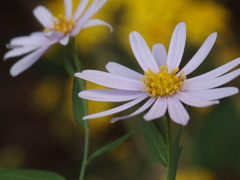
x=110, y=95
x=202, y=53
x=68, y=8
x=44, y=16
x=213, y=94
x=18, y=52
x=176, y=111
x=64, y=40
x=157, y=110
x=93, y=9
x=96, y=22
x=176, y=47
x=216, y=72
x=82, y=5
x=116, y=109
x=34, y=39
x=142, y=52
x=212, y=83
x=193, y=100
x=140, y=110
x=27, y=61
x=110, y=80
x=118, y=69
x=55, y=35
x=160, y=54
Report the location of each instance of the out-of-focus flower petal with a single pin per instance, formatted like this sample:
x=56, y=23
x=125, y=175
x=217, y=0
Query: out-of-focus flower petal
x=64, y=40
x=193, y=100
x=176, y=111
x=199, y=57
x=157, y=110
x=176, y=47
x=18, y=52
x=96, y=22
x=110, y=95
x=110, y=80
x=82, y=5
x=54, y=35
x=44, y=16
x=116, y=109
x=160, y=54
x=142, y=52
x=27, y=61
x=138, y=111
x=68, y=8
x=118, y=69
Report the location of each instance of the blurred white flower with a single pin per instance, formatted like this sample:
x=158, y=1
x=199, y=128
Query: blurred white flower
x=162, y=84
x=56, y=29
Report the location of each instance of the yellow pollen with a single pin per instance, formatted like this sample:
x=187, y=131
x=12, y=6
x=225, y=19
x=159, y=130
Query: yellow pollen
x=162, y=83
x=61, y=24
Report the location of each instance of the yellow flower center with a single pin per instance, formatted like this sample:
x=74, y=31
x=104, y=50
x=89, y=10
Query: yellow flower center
x=162, y=83
x=62, y=24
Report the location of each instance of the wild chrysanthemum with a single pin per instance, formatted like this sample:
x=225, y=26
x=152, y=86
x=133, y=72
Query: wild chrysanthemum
x=162, y=84
x=56, y=29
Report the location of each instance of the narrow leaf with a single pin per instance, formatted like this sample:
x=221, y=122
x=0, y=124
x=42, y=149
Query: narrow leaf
x=112, y=145
x=68, y=67
x=154, y=141
x=78, y=104
x=176, y=152
x=20, y=174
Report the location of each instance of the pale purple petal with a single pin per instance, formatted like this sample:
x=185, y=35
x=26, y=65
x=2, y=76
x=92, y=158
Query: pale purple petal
x=93, y=9
x=82, y=5
x=55, y=35
x=68, y=8
x=160, y=54
x=142, y=52
x=27, y=61
x=213, y=94
x=18, y=52
x=116, y=109
x=64, y=40
x=44, y=16
x=202, y=53
x=212, y=83
x=177, y=111
x=110, y=95
x=96, y=22
x=176, y=47
x=193, y=100
x=110, y=80
x=138, y=111
x=157, y=110
x=216, y=72
x=118, y=69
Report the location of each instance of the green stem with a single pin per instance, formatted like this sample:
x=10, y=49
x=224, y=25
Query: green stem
x=78, y=67
x=169, y=146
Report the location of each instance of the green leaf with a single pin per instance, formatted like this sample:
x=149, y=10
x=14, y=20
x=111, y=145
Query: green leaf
x=112, y=145
x=78, y=103
x=20, y=174
x=154, y=141
x=176, y=152
x=68, y=67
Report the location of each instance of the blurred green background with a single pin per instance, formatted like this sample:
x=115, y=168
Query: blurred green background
x=37, y=129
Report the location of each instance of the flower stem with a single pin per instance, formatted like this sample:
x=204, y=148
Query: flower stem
x=73, y=49
x=169, y=147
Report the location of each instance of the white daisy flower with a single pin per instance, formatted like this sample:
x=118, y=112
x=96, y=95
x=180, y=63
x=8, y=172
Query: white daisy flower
x=162, y=84
x=56, y=29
